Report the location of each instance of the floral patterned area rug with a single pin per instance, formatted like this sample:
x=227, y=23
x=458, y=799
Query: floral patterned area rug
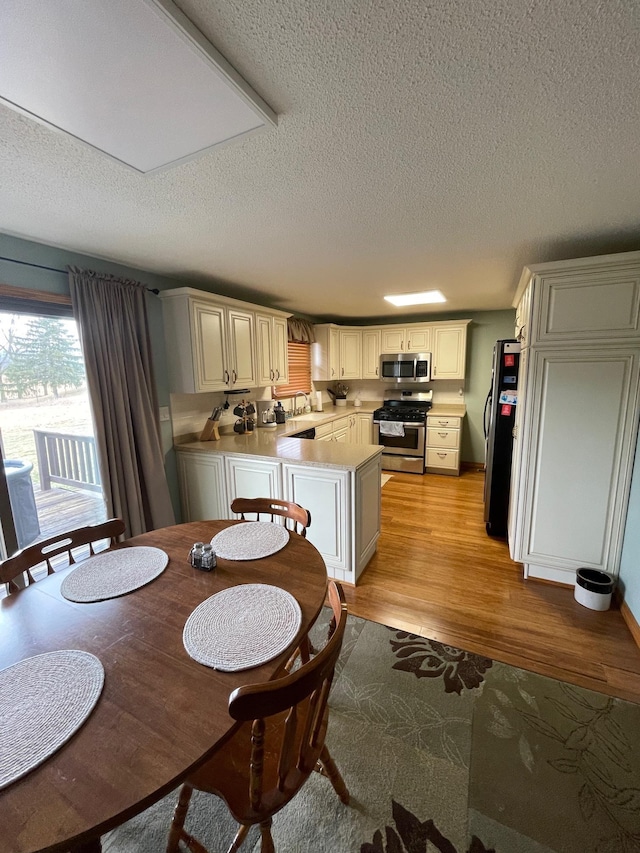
x=444, y=751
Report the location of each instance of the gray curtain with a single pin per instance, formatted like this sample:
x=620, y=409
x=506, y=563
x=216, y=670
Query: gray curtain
x=112, y=319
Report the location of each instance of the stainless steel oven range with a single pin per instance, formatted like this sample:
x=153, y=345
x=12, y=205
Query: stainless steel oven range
x=400, y=426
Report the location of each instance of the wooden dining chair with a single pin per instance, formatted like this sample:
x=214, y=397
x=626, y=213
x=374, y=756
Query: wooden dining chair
x=22, y=562
x=299, y=517
x=280, y=742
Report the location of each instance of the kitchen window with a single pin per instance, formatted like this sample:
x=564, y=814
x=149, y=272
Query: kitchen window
x=299, y=371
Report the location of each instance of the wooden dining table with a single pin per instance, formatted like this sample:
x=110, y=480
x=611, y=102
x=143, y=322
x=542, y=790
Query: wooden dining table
x=160, y=714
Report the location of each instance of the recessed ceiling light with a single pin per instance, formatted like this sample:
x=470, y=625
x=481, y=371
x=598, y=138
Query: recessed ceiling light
x=416, y=298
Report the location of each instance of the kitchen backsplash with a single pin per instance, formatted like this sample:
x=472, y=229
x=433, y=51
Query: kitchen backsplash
x=190, y=411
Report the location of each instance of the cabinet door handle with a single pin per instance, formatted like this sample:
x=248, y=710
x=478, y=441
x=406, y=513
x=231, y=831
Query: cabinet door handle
x=442, y=455
x=434, y=370
x=226, y=377
x=442, y=423
x=376, y=371
x=443, y=434
x=277, y=374
x=333, y=373
x=235, y=376
x=408, y=346
x=272, y=374
x=401, y=346
x=343, y=371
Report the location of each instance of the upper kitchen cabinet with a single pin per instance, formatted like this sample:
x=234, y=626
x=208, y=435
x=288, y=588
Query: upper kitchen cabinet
x=337, y=353
x=449, y=349
x=212, y=341
x=406, y=339
x=371, y=353
x=350, y=353
x=589, y=299
x=271, y=347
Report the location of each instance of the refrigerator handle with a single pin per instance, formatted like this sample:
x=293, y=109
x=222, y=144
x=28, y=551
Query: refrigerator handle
x=487, y=405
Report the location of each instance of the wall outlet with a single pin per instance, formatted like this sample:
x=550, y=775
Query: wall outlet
x=164, y=413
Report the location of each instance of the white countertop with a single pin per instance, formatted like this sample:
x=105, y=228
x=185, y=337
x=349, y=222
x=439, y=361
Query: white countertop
x=447, y=410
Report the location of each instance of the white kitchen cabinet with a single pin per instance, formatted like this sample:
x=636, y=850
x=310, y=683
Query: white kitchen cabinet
x=241, y=348
x=350, y=353
x=342, y=430
x=345, y=513
x=344, y=504
x=406, y=339
x=212, y=341
x=449, y=351
x=443, y=445
x=364, y=428
x=325, y=353
x=371, y=353
x=326, y=493
x=201, y=481
x=591, y=299
x=248, y=477
x=271, y=350
x=576, y=417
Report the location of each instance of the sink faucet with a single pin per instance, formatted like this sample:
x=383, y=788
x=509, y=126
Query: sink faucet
x=299, y=411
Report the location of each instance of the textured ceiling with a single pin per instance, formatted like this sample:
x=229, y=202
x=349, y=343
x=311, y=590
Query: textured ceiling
x=419, y=145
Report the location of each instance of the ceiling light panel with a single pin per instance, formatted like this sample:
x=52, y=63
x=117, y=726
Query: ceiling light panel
x=424, y=298
x=132, y=78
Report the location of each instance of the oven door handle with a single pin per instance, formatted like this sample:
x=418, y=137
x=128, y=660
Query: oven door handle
x=405, y=424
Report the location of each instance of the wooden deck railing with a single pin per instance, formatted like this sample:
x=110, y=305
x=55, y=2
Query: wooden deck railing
x=69, y=460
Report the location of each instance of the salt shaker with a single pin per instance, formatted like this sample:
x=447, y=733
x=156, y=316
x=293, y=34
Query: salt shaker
x=209, y=561
x=195, y=555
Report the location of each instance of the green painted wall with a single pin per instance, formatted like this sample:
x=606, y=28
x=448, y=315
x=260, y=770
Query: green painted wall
x=32, y=278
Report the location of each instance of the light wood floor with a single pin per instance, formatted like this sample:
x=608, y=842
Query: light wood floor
x=436, y=573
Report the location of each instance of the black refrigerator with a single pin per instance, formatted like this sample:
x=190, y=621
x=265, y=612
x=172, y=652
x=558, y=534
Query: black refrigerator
x=499, y=418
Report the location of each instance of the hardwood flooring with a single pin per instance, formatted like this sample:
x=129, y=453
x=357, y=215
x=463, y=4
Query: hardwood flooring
x=436, y=573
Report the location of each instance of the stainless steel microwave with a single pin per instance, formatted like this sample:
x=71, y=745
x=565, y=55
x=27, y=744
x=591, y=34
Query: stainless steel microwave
x=405, y=367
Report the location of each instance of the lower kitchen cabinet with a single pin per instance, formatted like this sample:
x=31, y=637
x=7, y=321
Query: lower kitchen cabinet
x=202, y=484
x=326, y=494
x=253, y=478
x=344, y=504
x=443, y=445
x=364, y=428
x=345, y=513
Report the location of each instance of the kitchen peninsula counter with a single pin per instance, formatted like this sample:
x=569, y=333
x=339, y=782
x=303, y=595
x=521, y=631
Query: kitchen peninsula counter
x=338, y=483
x=278, y=443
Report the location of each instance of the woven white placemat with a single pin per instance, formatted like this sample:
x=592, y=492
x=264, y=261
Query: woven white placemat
x=242, y=626
x=113, y=573
x=250, y=540
x=43, y=701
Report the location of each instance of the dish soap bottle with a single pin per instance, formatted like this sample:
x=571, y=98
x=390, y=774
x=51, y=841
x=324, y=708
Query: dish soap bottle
x=279, y=412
